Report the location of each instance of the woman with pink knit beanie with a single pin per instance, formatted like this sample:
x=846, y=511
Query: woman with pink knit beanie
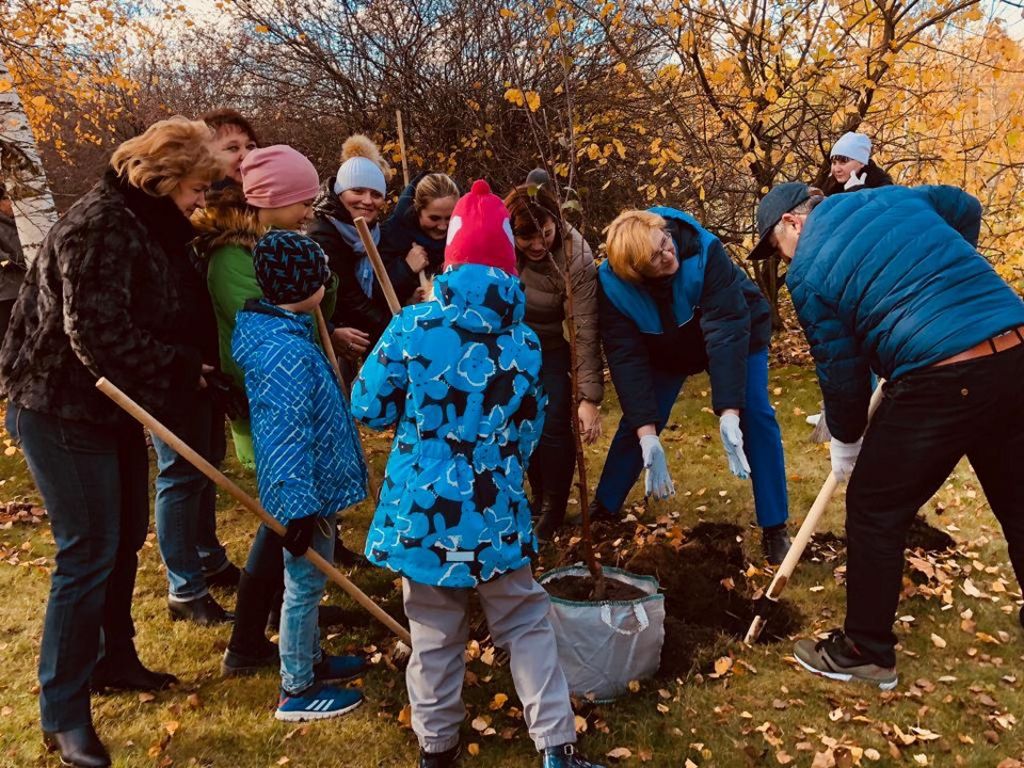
x=279, y=185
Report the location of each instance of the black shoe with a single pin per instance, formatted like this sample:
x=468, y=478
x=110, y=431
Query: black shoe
x=446, y=759
x=346, y=558
x=565, y=756
x=204, y=611
x=79, y=747
x=552, y=515
x=235, y=664
x=599, y=513
x=226, y=578
x=124, y=672
x=775, y=543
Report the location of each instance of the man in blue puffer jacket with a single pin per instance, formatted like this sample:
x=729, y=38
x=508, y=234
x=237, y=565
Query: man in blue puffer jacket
x=460, y=376
x=889, y=280
x=309, y=464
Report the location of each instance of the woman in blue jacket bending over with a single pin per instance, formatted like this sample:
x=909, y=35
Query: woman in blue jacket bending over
x=672, y=303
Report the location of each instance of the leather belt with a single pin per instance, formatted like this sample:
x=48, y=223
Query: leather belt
x=1004, y=341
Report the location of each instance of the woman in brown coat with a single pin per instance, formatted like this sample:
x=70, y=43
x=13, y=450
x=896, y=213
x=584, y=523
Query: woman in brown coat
x=544, y=244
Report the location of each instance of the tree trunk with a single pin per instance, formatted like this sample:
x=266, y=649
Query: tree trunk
x=21, y=171
x=587, y=539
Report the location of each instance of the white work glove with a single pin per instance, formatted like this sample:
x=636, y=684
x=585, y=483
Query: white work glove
x=844, y=456
x=732, y=441
x=855, y=180
x=657, y=482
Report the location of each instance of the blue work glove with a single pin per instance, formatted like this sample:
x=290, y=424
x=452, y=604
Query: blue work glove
x=732, y=441
x=657, y=482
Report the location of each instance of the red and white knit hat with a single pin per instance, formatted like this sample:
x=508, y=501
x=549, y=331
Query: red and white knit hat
x=480, y=231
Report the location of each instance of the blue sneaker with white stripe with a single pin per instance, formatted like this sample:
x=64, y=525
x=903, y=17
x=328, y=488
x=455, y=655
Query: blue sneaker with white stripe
x=339, y=669
x=318, y=702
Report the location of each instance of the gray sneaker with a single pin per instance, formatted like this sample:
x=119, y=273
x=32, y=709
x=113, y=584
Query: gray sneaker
x=837, y=658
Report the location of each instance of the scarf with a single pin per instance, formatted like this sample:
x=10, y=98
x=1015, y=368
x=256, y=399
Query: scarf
x=364, y=270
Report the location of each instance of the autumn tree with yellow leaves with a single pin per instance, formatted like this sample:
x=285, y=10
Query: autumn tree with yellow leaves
x=699, y=104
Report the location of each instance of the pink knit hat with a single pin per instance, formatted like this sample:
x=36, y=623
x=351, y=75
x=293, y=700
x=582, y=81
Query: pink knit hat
x=273, y=177
x=480, y=231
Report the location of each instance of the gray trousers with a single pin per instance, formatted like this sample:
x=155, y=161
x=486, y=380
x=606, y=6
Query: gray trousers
x=516, y=607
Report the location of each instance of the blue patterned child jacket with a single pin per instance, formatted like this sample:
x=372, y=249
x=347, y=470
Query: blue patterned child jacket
x=460, y=377
x=308, y=459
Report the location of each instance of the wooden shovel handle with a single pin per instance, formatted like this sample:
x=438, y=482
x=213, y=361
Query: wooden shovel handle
x=378, y=265
x=182, y=449
x=803, y=536
x=401, y=147
x=325, y=341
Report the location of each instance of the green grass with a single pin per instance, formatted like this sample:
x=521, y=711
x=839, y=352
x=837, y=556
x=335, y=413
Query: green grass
x=760, y=708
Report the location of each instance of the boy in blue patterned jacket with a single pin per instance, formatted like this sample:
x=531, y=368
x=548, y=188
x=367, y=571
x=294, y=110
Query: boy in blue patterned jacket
x=460, y=378
x=308, y=462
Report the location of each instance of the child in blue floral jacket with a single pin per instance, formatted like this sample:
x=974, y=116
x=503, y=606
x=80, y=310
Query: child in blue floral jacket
x=460, y=378
x=308, y=461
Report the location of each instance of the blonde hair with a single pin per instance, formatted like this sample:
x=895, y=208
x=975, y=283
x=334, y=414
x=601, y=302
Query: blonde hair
x=360, y=145
x=168, y=152
x=629, y=243
x=433, y=187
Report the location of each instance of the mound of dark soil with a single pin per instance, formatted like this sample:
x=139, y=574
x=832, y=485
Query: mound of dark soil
x=922, y=535
x=581, y=589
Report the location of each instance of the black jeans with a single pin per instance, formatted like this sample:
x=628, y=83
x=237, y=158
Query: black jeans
x=928, y=420
x=554, y=459
x=94, y=482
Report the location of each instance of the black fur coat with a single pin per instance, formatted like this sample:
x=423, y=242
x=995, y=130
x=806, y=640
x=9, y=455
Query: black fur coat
x=107, y=296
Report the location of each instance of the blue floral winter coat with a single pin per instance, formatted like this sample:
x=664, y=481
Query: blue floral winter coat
x=460, y=377
x=308, y=458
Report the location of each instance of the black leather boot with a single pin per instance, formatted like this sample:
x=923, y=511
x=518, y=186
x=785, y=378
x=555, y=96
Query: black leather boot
x=248, y=650
x=121, y=670
x=79, y=747
x=552, y=515
x=775, y=543
x=599, y=513
x=226, y=578
x=204, y=611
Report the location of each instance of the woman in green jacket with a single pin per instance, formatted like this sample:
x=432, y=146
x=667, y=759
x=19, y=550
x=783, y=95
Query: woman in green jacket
x=279, y=185
x=278, y=188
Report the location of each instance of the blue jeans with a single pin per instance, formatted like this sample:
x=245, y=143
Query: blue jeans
x=94, y=481
x=762, y=442
x=303, y=588
x=186, y=501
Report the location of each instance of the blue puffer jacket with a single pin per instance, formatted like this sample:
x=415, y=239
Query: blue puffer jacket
x=708, y=316
x=460, y=376
x=889, y=279
x=308, y=459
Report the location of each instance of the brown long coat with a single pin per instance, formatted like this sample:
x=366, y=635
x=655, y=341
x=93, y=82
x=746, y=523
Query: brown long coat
x=546, y=310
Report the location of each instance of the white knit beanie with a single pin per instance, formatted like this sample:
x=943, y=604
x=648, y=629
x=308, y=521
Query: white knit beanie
x=855, y=146
x=360, y=173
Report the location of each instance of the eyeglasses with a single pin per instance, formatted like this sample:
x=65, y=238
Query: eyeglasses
x=840, y=159
x=666, y=249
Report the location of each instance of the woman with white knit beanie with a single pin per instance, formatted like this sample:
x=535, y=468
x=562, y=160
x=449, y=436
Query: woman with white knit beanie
x=356, y=190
